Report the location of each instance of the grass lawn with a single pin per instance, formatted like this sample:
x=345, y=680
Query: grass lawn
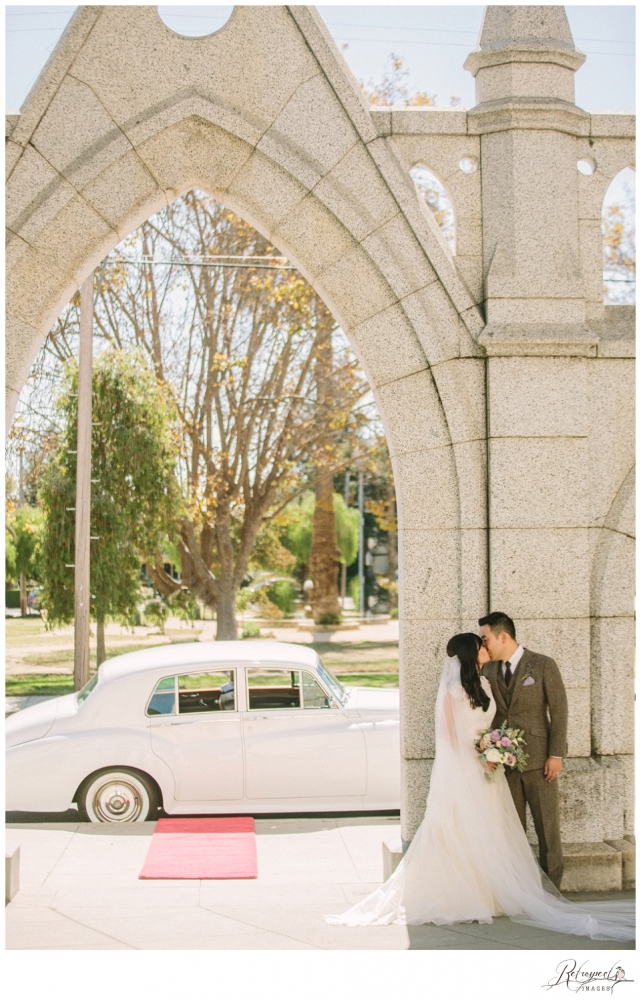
x=369, y=680
x=369, y=664
x=38, y=684
x=354, y=657
x=64, y=657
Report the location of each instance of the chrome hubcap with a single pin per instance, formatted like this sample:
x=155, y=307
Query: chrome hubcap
x=117, y=802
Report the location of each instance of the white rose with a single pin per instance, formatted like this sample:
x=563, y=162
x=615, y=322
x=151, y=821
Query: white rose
x=493, y=756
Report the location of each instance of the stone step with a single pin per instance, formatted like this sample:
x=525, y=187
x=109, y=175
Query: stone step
x=628, y=861
x=592, y=867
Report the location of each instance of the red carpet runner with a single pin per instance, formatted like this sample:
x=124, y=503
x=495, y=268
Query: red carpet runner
x=214, y=847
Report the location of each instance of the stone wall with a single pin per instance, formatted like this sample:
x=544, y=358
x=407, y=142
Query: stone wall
x=504, y=384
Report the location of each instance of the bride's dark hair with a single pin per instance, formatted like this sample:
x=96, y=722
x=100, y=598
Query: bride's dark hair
x=466, y=646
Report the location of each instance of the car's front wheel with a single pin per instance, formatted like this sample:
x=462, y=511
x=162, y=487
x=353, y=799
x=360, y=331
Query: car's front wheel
x=117, y=795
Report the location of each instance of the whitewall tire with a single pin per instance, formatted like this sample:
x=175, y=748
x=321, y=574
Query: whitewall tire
x=117, y=795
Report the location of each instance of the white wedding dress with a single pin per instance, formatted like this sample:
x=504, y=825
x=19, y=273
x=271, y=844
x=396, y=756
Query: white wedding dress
x=470, y=858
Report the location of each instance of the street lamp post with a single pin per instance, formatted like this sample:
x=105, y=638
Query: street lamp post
x=361, y=546
x=82, y=595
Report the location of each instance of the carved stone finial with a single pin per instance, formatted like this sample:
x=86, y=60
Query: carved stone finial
x=525, y=52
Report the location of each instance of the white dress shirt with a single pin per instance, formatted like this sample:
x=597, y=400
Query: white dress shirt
x=513, y=660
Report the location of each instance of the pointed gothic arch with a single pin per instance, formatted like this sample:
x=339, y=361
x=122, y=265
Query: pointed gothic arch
x=127, y=115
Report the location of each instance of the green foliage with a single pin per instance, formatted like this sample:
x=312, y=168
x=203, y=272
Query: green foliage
x=283, y=594
x=297, y=531
x=329, y=620
x=23, y=543
x=156, y=613
x=183, y=605
x=134, y=500
x=347, y=522
x=250, y=631
x=353, y=590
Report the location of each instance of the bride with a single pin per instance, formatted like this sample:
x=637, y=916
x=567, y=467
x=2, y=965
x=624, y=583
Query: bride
x=470, y=858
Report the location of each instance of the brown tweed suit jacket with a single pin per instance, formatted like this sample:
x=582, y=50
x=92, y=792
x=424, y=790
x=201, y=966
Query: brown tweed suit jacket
x=535, y=702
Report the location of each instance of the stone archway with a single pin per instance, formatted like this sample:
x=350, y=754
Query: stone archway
x=128, y=115
x=491, y=370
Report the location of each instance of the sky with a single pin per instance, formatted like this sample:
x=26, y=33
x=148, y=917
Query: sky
x=432, y=40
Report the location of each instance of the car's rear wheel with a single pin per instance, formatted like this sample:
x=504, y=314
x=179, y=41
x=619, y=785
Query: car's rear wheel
x=118, y=795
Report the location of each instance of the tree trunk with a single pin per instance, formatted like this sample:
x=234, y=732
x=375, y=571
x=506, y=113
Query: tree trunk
x=226, y=625
x=325, y=556
x=101, y=651
x=24, y=610
x=392, y=547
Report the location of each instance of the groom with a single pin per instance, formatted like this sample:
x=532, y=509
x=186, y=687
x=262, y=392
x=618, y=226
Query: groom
x=529, y=694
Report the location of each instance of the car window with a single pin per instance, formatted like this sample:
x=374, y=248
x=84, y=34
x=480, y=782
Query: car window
x=84, y=692
x=163, y=699
x=313, y=694
x=271, y=689
x=207, y=692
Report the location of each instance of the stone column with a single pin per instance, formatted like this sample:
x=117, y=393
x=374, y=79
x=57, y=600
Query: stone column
x=539, y=347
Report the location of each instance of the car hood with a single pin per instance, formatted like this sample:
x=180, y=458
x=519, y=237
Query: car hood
x=35, y=722
x=372, y=699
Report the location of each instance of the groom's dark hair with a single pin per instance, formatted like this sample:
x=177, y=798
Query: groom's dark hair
x=499, y=622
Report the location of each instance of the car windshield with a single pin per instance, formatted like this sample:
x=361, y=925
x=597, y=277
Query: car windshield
x=335, y=686
x=84, y=693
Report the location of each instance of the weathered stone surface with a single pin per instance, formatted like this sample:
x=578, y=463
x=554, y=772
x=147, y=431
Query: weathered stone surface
x=627, y=770
x=581, y=799
x=539, y=482
x=538, y=572
x=427, y=490
x=354, y=289
x=415, y=784
x=423, y=645
x=415, y=416
x=388, y=347
x=595, y=867
x=538, y=397
x=611, y=426
x=194, y=152
x=127, y=115
x=567, y=641
x=612, y=685
x=628, y=861
x=436, y=322
x=400, y=257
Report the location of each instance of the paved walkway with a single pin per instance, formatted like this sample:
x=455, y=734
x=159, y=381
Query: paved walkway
x=80, y=890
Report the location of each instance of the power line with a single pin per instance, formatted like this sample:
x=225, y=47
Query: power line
x=372, y=27
x=211, y=260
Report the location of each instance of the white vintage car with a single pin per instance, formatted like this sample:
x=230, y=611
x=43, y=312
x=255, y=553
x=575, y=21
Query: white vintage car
x=212, y=727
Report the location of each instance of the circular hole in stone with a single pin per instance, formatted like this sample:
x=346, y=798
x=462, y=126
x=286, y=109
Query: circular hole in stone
x=469, y=164
x=586, y=165
x=194, y=21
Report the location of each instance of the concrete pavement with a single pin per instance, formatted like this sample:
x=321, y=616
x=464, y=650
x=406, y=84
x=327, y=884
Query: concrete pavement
x=80, y=890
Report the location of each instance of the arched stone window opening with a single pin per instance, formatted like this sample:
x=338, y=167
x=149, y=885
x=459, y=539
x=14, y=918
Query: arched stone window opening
x=619, y=240
x=170, y=314
x=195, y=21
x=433, y=193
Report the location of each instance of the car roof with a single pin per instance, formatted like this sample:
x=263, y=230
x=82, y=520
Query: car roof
x=187, y=654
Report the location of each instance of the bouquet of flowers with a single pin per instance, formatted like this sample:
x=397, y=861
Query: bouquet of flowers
x=502, y=746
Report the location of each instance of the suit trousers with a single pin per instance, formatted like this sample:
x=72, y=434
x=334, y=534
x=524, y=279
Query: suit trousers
x=543, y=799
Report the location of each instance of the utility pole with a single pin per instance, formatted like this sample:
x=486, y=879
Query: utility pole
x=344, y=565
x=82, y=595
x=361, y=546
x=24, y=610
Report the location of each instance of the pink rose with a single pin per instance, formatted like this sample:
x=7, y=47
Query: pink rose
x=506, y=742
x=495, y=735
x=510, y=759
